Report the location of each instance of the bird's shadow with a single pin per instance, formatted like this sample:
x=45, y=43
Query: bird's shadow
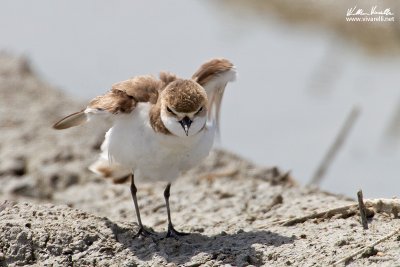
x=235, y=249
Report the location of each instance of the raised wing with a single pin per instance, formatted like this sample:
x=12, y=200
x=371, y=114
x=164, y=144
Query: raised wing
x=214, y=76
x=122, y=98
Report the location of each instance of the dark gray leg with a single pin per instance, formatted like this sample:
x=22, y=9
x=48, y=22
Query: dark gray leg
x=171, y=230
x=142, y=230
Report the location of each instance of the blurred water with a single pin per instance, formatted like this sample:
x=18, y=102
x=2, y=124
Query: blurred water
x=295, y=85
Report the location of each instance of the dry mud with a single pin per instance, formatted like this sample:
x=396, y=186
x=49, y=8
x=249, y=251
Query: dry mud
x=54, y=212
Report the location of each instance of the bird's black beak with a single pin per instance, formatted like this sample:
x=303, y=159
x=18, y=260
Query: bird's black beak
x=186, y=122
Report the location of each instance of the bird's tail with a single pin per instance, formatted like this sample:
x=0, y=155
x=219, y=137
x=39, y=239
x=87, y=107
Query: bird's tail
x=105, y=168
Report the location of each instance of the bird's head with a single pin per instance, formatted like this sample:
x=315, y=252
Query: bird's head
x=184, y=107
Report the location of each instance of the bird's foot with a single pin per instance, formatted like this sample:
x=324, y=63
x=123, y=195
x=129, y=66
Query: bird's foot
x=174, y=233
x=144, y=233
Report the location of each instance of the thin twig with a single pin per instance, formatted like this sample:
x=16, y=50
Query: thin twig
x=327, y=213
x=379, y=205
x=362, y=208
x=337, y=144
x=228, y=172
x=366, y=248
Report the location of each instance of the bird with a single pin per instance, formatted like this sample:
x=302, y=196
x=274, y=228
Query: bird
x=161, y=126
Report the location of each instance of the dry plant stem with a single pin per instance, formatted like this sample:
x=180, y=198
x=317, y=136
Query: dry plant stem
x=335, y=147
x=329, y=213
x=389, y=206
x=363, y=212
x=225, y=173
x=360, y=251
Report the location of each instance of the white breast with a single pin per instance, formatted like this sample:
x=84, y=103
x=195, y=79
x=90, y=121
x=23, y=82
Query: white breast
x=133, y=143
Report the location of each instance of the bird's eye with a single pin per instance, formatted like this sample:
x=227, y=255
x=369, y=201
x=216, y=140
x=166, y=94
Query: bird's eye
x=170, y=111
x=199, y=110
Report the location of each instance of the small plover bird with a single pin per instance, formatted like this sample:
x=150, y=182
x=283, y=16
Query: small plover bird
x=161, y=127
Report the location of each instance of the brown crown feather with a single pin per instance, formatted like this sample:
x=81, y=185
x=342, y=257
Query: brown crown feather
x=185, y=96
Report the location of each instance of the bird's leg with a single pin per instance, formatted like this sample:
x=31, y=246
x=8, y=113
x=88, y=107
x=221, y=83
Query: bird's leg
x=171, y=230
x=142, y=231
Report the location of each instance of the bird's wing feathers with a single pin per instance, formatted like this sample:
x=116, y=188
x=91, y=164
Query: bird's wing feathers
x=71, y=120
x=214, y=76
x=112, y=102
x=141, y=88
x=122, y=98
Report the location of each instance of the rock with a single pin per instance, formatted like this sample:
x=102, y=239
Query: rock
x=15, y=166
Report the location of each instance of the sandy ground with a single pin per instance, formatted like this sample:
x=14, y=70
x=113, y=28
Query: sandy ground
x=54, y=212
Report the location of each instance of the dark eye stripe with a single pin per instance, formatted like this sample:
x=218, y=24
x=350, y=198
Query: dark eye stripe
x=170, y=111
x=199, y=111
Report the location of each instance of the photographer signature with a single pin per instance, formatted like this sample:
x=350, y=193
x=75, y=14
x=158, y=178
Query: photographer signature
x=354, y=11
